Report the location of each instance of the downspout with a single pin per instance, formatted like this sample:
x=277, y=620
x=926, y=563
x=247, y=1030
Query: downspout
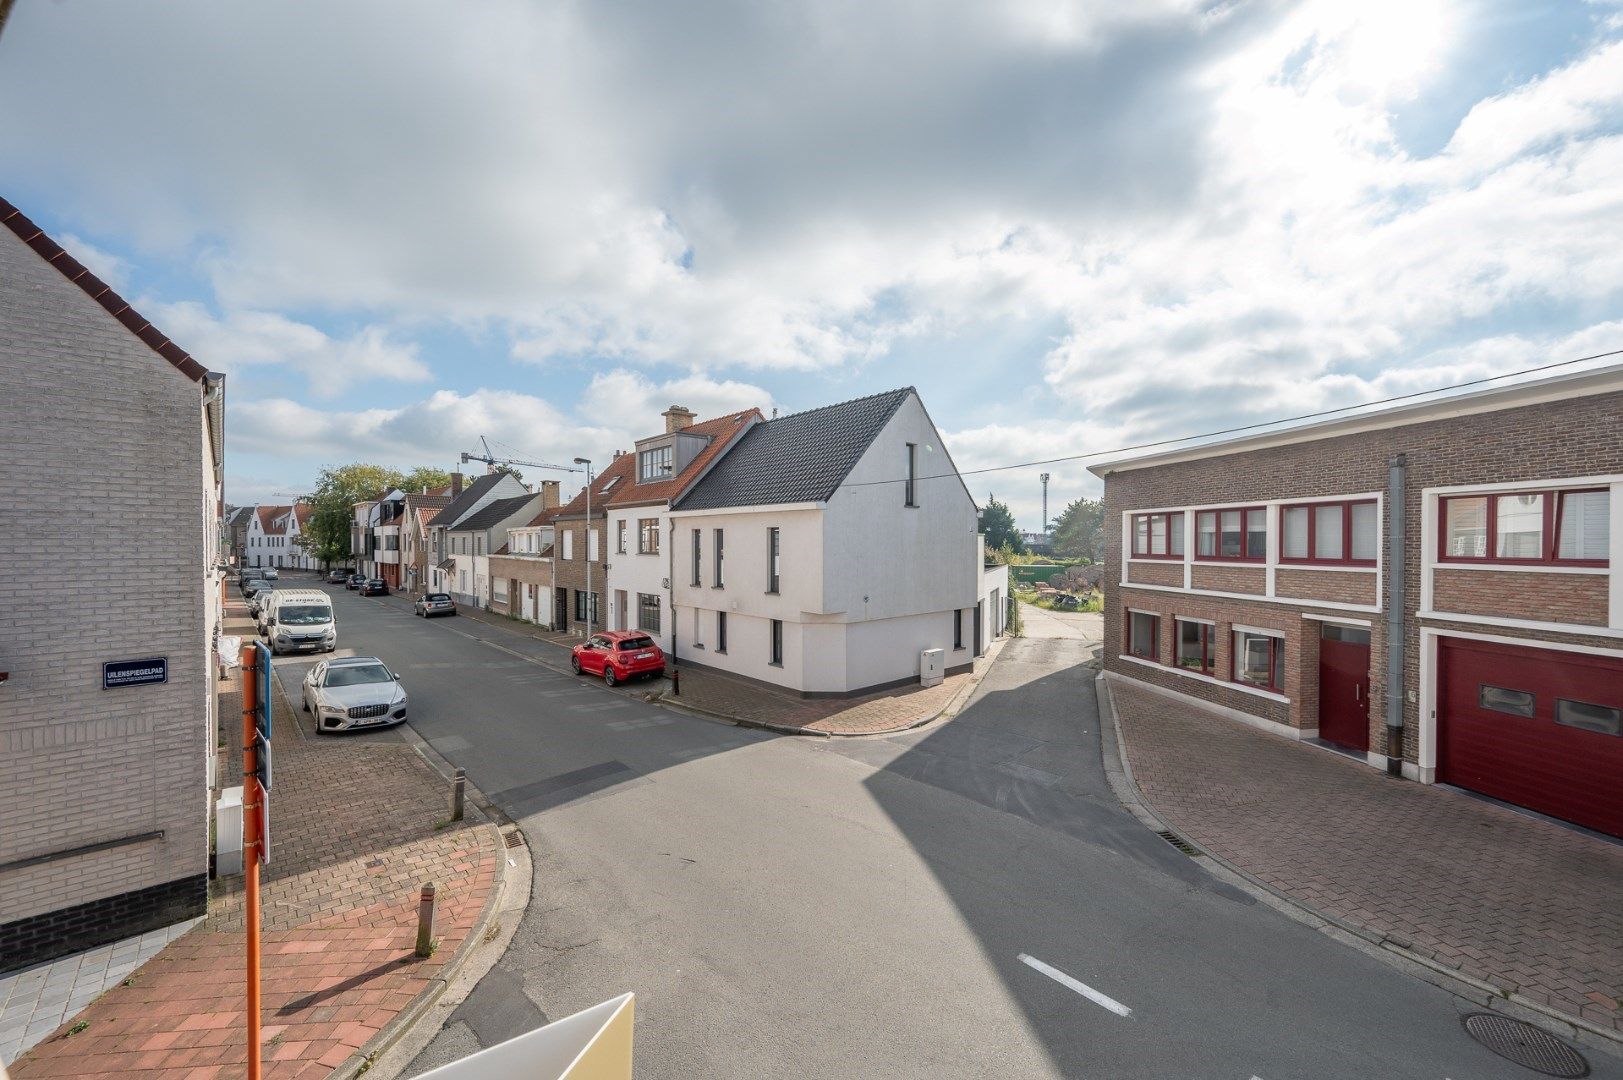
x=670, y=597
x=1396, y=514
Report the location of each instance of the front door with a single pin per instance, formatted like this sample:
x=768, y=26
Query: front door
x=560, y=609
x=620, y=614
x=980, y=646
x=1344, y=686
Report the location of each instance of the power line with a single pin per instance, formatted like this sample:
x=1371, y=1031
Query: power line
x=1250, y=427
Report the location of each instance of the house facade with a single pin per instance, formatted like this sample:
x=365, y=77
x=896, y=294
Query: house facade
x=421, y=509
x=826, y=550
x=448, y=566
x=474, y=538
x=268, y=542
x=1433, y=588
x=236, y=533
x=94, y=391
x=638, y=583
x=523, y=566
x=580, y=556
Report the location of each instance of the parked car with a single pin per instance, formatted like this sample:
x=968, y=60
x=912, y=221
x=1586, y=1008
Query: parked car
x=375, y=587
x=249, y=577
x=254, y=586
x=354, y=581
x=434, y=603
x=271, y=574
x=337, y=577
x=617, y=655
x=354, y=692
x=258, y=600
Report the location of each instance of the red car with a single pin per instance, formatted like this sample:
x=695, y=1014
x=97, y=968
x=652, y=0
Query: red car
x=617, y=655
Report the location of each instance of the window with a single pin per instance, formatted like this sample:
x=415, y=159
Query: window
x=698, y=555
x=721, y=631
x=654, y=464
x=1596, y=718
x=910, y=489
x=958, y=628
x=777, y=643
x=1498, y=699
x=1527, y=527
x=772, y=553
x=698, y=629
x=585, y=607
x=648, y=612
x=1158, y=536
x=1197, y=649
x=620, y=536
x=717, y=575
x=1259, y=660
x=648, y=536
x=1143, y=632
x=1239, y=535
x=591, y=544
x=1341, y=533
x=569, y=543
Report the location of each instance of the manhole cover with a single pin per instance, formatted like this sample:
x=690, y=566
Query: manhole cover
x=1526, y=1045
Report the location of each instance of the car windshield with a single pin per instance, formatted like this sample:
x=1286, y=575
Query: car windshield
x=636, y=643
x=358, y=675
x=303, y=614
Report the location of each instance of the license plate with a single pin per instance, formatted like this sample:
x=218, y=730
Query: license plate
x=645, y=656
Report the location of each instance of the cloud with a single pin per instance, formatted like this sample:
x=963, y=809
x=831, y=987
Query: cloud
x=638, y=401
x=250, y=338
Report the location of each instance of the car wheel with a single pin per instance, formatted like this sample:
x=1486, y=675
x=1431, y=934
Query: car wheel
x=608, y=675
x=574, y=663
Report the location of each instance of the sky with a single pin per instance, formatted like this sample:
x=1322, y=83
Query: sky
x=1071, y=225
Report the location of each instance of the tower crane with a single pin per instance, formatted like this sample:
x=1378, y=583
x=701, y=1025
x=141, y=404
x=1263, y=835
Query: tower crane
x=489, y=458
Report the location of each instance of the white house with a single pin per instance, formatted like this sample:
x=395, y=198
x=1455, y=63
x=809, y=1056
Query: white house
x=453, y=565
x=288, y=524
x=826, y=550
x=268, y=543
x=639, y=579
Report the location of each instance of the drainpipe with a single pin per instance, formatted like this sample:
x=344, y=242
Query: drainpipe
x=670, y=599
x=1396, y=517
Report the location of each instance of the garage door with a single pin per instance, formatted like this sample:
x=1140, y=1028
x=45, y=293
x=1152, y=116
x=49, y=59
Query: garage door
x=1540, y=728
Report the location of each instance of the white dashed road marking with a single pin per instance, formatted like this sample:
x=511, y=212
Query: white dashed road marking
x=1080, y=987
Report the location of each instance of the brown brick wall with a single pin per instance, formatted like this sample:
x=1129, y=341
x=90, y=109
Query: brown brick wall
x=1150, y=573
x=1508, y=594
x=571, y=573
x=1241, y=579
x=1532, y=444
x=1328, y=585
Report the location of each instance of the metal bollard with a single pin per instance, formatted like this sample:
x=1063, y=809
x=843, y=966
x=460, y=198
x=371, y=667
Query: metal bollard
x=459, y=783
x=676, y=681
x=425, y=921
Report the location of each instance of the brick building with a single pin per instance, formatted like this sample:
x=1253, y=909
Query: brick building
x=1480, y=536
x=107, y=704
x=580, y=556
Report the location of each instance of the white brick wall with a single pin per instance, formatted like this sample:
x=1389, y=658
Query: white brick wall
x=106, y=552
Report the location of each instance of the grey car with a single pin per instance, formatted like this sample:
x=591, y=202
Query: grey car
x=434, y=603
x=354, y=692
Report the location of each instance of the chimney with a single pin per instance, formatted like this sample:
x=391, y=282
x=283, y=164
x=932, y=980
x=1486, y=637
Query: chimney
x=456, y=484
x=678, y=417
x=549, y=494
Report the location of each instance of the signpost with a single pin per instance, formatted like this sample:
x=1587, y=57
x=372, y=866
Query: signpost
x=256, y=785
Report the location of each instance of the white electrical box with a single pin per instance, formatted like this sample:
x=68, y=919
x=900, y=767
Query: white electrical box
x=228, y=832
x=932, y=666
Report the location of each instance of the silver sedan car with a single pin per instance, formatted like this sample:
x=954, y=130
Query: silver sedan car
x=354, y=692
x=434, y=603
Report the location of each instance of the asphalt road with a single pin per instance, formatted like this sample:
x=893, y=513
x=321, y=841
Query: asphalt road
x=790, y=907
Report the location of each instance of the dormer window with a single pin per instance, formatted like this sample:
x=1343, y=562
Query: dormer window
x=654, y=464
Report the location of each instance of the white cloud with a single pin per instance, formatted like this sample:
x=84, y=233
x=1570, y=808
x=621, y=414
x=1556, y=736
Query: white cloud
x=637, y=402
x=251, y=338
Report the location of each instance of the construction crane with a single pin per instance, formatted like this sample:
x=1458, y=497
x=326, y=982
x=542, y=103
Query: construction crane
x=489, y=458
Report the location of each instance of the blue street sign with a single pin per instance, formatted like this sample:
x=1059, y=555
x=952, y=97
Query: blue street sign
x=262, y=717
x=134, y=672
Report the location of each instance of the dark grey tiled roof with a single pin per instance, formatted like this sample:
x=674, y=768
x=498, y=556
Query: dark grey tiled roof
x=493, y=514
x=470, y=495
x=802, y=457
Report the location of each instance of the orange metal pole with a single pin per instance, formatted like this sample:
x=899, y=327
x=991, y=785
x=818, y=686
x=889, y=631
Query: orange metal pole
x=252, y=802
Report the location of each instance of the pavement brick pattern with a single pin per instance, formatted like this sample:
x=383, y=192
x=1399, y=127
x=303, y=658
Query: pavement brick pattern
x=1525, y=904
x=356, y=829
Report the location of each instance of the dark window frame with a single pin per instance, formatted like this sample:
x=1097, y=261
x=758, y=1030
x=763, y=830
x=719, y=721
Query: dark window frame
x=775, y=643
x=910, y=489
x=1554, y=503
x=1208, y=646
x=774, y=559
x=647, y=602
x=620, y=536
x=1149, y=533
x=648, y=536
x=1245, y=555
x=1155, y=636
x=716, y=558
x=1275, y=647
x=957, y=628
x=721, y=633
x=698, y=557
x=1312, y=559
x=661, y=458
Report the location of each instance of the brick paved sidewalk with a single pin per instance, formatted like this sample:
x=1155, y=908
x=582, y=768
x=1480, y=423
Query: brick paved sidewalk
x=356, y=828
x=1529, y=906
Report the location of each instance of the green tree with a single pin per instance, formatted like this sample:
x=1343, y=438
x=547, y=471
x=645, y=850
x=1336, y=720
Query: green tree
x=326, y=536
x=997, y=522
x=1079, y=531
x=424, y=476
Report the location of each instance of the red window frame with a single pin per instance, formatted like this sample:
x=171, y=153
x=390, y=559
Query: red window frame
x=1275, y=644
x=1313, y=533
x=1550, y=542
x=1208, y=646
x=1167, y=515
x=1155, y=639
x=1245, y=555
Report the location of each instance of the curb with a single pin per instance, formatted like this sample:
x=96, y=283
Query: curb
x=950, y=708
x=1119, y=774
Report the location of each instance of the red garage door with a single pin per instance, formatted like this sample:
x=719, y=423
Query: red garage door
x=1540, y=728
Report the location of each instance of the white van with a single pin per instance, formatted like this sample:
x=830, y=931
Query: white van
x=300, y=620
